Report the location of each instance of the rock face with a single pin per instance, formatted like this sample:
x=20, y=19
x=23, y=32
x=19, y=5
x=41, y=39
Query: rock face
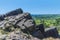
x=12, y=13
x=38, y=34
x=39, y=31
x=26, y=21
x=40, y=27
x=51, y=32
x=22, y=21
x=15, y=12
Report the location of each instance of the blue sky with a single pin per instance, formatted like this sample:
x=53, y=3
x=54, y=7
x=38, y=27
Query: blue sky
x=31, y=6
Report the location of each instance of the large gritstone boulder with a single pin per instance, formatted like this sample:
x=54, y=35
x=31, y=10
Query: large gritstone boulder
x=39, y=31
x=40, y=27
x=23, y=21
x=38, y=34
x=51, y=32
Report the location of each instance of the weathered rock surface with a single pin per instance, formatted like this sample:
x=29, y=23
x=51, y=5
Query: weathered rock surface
x=41, y=28
x=44, y=33
x=22, y=20
x=38, y=34
x=14, y=12
x=51, y=32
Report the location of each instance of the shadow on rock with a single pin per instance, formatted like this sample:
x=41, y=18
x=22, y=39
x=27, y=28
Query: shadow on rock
x=41, y=33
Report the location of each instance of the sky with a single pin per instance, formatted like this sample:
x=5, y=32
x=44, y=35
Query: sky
x=31, y=6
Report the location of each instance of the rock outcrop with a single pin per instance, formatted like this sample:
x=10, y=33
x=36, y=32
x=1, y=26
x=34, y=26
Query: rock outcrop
x=25, y=22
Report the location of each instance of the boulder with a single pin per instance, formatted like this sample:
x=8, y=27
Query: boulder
x=40, y=27
x=38, y=34
x=22, y=21
x=14, y=12
x=51, y=32
x=39, y=31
